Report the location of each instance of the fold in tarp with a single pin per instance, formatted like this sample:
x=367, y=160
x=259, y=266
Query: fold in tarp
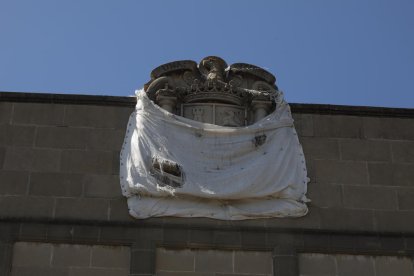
x=174, y=166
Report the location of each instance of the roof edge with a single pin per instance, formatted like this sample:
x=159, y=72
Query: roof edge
x=131, y=101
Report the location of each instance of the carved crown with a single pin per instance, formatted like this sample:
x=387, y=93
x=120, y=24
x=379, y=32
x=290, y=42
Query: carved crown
x=212, y=80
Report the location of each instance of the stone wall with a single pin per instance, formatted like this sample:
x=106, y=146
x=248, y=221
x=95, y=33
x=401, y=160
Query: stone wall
x=59, y=158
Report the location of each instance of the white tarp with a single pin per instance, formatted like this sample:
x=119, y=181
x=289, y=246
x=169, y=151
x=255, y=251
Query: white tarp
x=225, y=173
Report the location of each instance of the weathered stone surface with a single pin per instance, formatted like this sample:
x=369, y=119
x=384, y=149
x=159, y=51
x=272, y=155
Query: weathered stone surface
x=366, y=197
x=395, y=221
x=65, y=255
x=314, y=264
x=95, y=271
x=337, y=126
x=28, y=159
x=17, y=135
x=61, y=137
x=56, y=184
x=38, y=114
x=325, y=195
x=26, y=206
x=341, y=172
x=5, y=112
x=94, y=162
x=110, y=256
x=403, y=152
x=406, y=199
x=388, y=174
x=355, y=265
x=175, y=260
x=320, y=148
x=339, y=219
x=253, y=262
x=103, y=186
x=97, y=116
x=390, y=266
x=213, y=261
x=105, y=139
x=13, y=182
x=365, y=150
x=82, y=208
x=389, y=128
x=32, y=254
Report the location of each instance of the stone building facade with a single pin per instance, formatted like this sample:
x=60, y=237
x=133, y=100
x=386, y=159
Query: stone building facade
x=62, y=212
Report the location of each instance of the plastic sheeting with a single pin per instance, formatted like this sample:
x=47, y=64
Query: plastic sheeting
x=174, y=166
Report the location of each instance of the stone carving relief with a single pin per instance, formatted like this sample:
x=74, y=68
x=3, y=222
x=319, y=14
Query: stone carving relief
x=213, y=92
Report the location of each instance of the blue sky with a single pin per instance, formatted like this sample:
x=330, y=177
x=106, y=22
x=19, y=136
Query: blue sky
x=349, y=52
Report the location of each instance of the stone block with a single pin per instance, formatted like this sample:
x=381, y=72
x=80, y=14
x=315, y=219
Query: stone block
x=389, y=128
x=367, y=197
x=365, y=150
x=341, y=172
x=227, y=238
x=28, y=159
x=175, y=260
x=33, y=231
x=320, y=148
x=355, y=265
x=117, y=234
x=406, y=199
x=110, y=256
x=303, y=124
x=12, y=135
x=60, y=232
x=33, y=254
x=105, y=139
x=36, y=271
x=199, y=236
x=253, y=239
x=38, y=114
x=22, y=206
x=82, y=208
x=391, y=266
x=337, y=126
x=403, y=152
x=395, y=221
x=392, y=243
x=339, y=219
x=93, y=162
x=61, y=137
x=13, y=182
x=118, y=210
x=103, y=186
x=325, y=195
x=285, y=266
x=253, y=262
x=316, y=242
x=56, y=184
x=83, y=271
x=5, y=112
x=315, y=264
x=343, y=242
x=86, y=233
x=66, y=255
x=175, y=236
x=97, y=116
x=388, y=174
x=214, y=261
x=142, y=262
x=2, y=156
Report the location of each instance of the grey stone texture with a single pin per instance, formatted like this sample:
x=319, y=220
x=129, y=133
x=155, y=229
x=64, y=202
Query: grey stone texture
x=59, y=184
x=36, y=258
x=213, y=262
x=316, y=264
